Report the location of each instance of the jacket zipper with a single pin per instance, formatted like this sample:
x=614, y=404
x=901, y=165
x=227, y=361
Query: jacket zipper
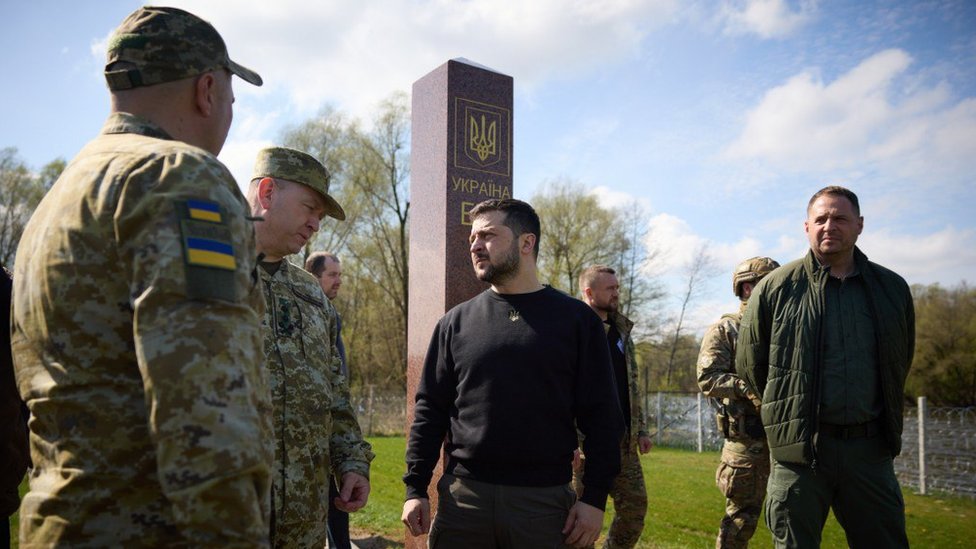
x=818, y=367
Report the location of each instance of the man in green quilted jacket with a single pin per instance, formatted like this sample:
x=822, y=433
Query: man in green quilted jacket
x=827, y=342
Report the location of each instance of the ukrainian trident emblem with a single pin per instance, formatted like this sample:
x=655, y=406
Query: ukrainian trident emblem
x=482, y=138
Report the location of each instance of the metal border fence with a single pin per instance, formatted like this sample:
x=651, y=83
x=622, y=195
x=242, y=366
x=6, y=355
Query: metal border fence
x=938, y=444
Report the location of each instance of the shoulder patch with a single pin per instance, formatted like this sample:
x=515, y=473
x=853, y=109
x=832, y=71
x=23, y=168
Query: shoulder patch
x=207, y=245
x=203, y=210
x=208, y=251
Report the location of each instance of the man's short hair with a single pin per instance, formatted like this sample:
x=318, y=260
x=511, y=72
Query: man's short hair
x=315, y=263
x=836, y=190
x=519, y=217
x=589, y=275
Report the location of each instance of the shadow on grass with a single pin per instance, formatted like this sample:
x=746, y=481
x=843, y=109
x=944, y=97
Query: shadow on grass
x=367, y=541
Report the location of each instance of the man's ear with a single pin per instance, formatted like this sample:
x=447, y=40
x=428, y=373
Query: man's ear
x=528, y=243
x=205, y=93
x=266, y=190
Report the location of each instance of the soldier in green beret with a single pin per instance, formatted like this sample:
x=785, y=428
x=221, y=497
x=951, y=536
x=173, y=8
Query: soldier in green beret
x=317, y=434
x=136, y=317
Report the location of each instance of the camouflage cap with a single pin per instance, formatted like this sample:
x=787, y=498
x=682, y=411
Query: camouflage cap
x=292, y=165
x=159, y=44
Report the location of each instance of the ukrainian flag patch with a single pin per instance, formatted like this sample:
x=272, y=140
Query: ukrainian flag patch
x=203, y=210
x=210, y=253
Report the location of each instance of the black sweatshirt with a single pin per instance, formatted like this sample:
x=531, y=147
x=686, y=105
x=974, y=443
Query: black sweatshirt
x=508, y=379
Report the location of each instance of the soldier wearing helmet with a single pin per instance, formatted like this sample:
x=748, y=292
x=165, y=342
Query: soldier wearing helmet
x=744, y=467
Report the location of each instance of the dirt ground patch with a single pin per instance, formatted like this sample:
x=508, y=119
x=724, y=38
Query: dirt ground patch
x=366, y=540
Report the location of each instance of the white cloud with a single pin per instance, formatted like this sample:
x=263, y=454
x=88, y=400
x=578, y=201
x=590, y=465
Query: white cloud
x=874, y=116
x=354, y=53
x=610, y=198
x=947, y=256
x=765, y=18
x=674, y=239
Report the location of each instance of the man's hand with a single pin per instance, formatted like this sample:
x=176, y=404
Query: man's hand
x=583, y=525
x=644, y=443
x=353, y=493
x=416, y=516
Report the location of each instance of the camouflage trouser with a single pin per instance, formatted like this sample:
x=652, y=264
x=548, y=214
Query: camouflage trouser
x=741, y=477
x=629, y=495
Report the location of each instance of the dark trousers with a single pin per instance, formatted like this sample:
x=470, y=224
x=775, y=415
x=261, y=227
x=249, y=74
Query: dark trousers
x=338, y=521
x=478, y=515
x=856, y=478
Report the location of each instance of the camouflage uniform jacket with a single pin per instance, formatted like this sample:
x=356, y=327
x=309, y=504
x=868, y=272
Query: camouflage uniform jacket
x=638, y=423
x=316, y=429
x=718, y=380
x=137, y=347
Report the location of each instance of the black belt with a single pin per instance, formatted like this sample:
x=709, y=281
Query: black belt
x=844, y=432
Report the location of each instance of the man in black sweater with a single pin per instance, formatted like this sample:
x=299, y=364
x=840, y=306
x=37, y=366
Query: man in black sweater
x=508, y=377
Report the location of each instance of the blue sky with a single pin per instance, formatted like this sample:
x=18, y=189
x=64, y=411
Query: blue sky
x=721, y=117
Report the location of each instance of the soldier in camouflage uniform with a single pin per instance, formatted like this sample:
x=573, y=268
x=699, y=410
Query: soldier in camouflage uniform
x=136, y=316
x=742, y=473
x=317, y=434
x=600, y=289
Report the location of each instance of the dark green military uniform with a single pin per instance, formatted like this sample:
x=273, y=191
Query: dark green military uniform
x=629, y=493
x=137, y=347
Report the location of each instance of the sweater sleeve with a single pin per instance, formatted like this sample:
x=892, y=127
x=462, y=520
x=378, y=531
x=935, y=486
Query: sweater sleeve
x=435, y=394
x=598, y=415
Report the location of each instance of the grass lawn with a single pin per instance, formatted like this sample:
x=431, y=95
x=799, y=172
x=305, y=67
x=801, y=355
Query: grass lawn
x=684, y=506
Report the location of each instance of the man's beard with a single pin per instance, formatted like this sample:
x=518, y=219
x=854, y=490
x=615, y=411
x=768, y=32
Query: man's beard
x=610, y=307
x=506, y=268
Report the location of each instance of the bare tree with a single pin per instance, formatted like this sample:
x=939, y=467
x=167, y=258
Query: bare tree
x=576, y=232
x=698, y=270
x=370, y=171
x=640, y=287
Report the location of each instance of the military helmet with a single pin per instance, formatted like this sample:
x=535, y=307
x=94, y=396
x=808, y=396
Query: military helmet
x=751, y=270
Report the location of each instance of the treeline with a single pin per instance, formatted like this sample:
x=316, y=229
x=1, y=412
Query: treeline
x=370, y=168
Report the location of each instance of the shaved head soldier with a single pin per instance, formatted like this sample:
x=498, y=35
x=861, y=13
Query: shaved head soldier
x=601, y=291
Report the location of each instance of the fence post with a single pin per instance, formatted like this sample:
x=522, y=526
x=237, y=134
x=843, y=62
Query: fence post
x=660, y=421
x=701, y=427
x=922, y=412
x=369, y=407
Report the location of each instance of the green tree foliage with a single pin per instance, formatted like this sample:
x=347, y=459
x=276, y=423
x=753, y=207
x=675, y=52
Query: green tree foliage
x=944, y=368
x=370, y=170
x=576, y=232
x=21, y=190
x=655, y=355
